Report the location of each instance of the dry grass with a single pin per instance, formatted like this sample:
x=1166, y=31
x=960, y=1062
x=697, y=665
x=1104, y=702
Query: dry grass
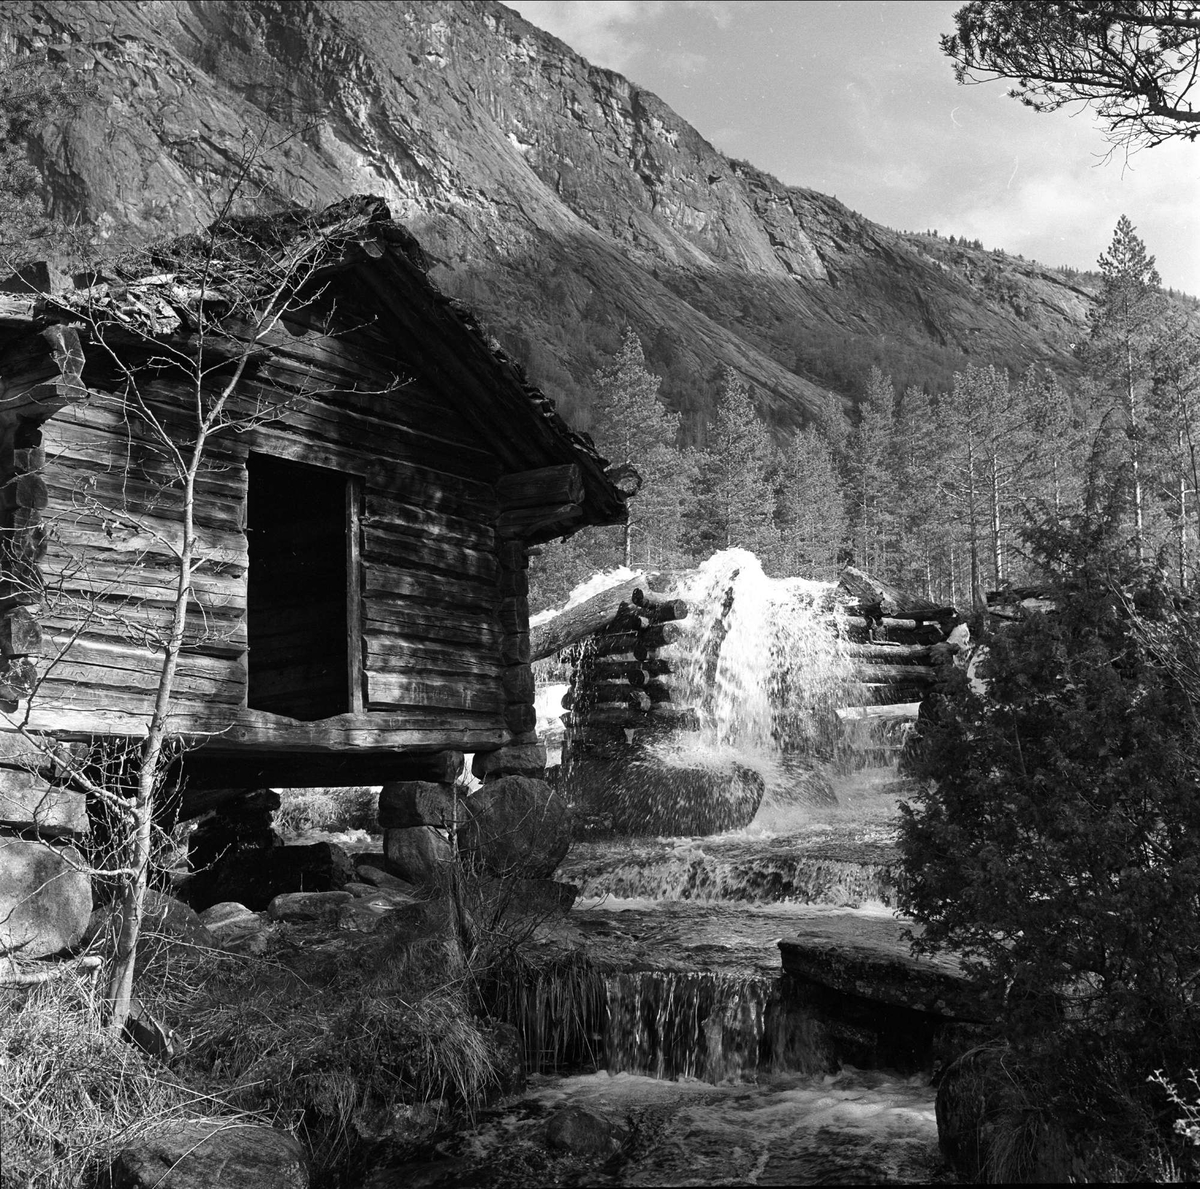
x=556, y=1005
x=337, y=1042
x=70, y=1093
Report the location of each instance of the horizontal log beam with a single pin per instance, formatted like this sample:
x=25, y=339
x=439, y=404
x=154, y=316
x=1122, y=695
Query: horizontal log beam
x=544, y=487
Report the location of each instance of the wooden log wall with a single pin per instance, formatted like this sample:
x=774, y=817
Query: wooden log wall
x=897, y=656
x=619, y=693
x=441, y=642
x=111, y=517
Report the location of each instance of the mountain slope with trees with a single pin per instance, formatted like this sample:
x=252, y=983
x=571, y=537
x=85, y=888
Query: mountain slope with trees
x=560, y=200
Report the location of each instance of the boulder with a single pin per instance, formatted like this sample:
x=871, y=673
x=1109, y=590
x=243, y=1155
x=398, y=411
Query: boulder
x=211, y=1154
x=167, y=917
x=169, y=929
x=373, y=874
x=28, y=799
x=583, y=1132
x=362, y=916
x=528, y=759
x=234, y=927
x=870, y=958
x=640, y=794
x=407, y=803
x=879, y=1005
x=516, y=826
x=308, y=906
x=45, y=897
x=420, y=855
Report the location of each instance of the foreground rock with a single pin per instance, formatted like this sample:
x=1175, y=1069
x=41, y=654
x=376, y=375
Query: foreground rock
x=45, y=898
x=234, y=927
x=640, y=795
x=516, y=826
x=211, y=1154
x=308, y=906
x=583, y=1132
x=418, y=855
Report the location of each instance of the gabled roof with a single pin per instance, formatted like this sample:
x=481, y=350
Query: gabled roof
x=357, y=245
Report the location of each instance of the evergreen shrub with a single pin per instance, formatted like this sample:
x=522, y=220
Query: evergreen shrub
x=1055, y=838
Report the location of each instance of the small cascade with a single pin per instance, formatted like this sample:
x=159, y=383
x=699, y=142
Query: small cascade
x=671, y=1024
x=699, y=873
x=712, y=1027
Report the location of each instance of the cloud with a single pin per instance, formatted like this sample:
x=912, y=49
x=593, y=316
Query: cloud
x=610, y=32
x=684, y=63
x=603, y=31
x=1067, y=215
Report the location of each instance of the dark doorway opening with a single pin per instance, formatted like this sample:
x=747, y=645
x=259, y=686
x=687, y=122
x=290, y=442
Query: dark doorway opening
x=297, y=589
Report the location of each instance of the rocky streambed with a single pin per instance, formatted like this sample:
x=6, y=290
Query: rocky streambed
x=752, y=1013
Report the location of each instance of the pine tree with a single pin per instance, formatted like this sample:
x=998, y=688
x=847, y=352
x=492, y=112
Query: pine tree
x=633, y=427
x=811, y=509
x=921, y=550
x=872, y=482
x=1124, y=321
x=733, y=497
x=1175, y=417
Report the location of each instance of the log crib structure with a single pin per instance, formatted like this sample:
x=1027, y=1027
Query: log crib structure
x=359, y=613
x=624, y=691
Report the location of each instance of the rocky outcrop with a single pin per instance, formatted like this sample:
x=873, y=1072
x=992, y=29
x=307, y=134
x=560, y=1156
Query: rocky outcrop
x=560, y=200
x=584, y=1132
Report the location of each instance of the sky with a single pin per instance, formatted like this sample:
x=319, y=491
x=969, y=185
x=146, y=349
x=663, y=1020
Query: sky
x=858, y=101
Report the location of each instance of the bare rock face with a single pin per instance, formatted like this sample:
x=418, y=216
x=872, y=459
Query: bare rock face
x=561, y=201
x=516, y=826
x=212, y=1154
x=45, y=898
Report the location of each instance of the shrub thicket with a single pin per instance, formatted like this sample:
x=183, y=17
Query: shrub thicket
x=1053, y=841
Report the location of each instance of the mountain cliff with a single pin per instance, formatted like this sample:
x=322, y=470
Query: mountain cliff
x=560, y=200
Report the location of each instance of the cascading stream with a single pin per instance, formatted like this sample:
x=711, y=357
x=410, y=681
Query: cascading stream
x=762, y=663
x=672, y=983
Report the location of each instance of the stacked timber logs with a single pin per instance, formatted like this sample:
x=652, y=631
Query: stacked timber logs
x=898, y=642
x=620, y=691
x=45, y=891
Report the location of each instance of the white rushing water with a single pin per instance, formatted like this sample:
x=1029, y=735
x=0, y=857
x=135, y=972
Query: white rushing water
x=762, y=663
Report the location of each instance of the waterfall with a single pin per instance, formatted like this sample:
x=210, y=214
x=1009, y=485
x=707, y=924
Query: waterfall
x=762, y=662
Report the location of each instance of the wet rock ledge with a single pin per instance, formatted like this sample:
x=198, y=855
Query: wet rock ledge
x=880, y=1005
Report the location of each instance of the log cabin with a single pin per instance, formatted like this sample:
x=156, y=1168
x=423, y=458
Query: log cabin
x=363, y=510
